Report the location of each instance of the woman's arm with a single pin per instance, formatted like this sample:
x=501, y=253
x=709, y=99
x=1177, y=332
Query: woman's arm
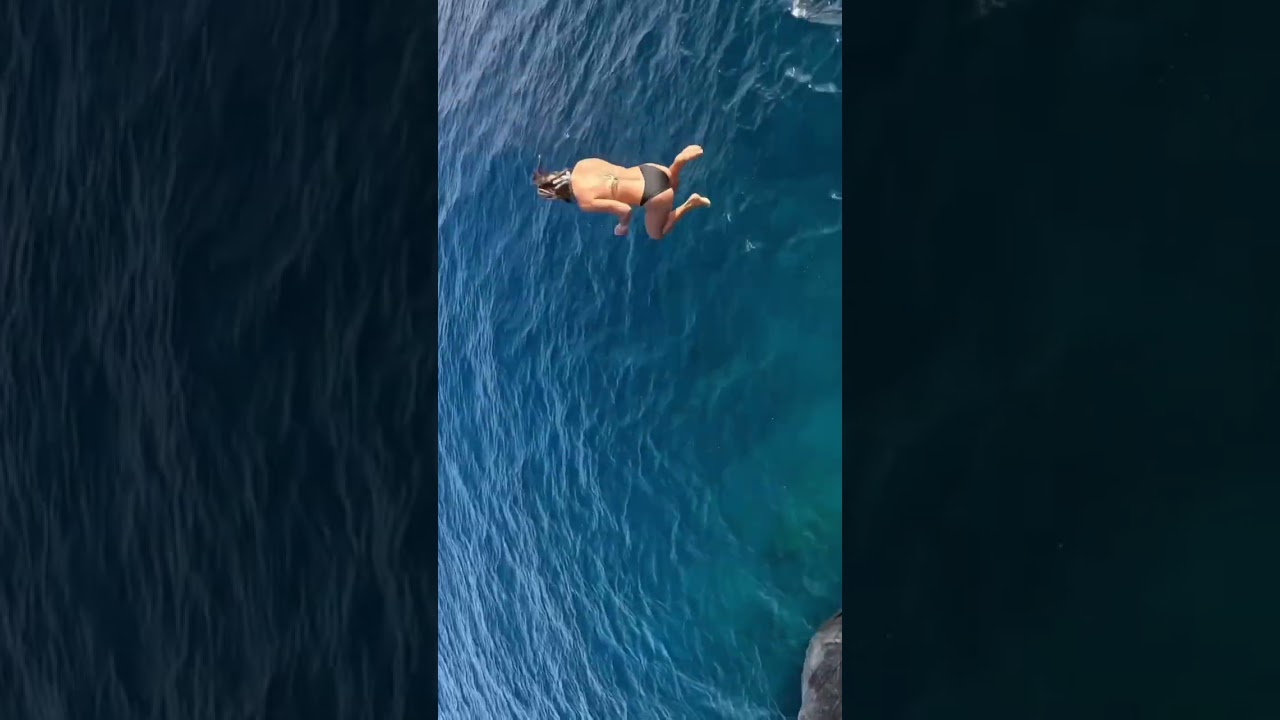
x=620, y=210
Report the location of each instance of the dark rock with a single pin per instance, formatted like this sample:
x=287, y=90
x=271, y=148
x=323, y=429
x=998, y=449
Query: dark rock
x=821, y=691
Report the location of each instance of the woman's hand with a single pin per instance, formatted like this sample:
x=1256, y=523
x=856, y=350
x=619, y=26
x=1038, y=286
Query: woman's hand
x=624, y=223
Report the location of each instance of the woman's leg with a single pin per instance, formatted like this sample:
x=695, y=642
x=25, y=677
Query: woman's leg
x=695, y=201
x=693, y=152
x=656, y=212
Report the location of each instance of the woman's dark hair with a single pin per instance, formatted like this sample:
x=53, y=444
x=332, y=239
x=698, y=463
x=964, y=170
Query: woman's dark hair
x=554, y=185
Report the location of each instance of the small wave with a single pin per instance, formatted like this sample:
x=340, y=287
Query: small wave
x=806, y=79
x=984, y=7
x=822, y=12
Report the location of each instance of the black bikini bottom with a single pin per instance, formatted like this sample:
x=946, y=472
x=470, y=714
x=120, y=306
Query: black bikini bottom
x=656, y=182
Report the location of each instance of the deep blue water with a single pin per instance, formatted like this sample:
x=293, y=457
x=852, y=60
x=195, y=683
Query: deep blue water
x=216, y=360
x=640, y=501
x=1061, y=442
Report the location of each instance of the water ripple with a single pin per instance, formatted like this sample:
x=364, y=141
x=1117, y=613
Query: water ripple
x=592, y=549
x=210, y=349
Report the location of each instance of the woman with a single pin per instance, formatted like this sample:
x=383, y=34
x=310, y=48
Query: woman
x=601, y=187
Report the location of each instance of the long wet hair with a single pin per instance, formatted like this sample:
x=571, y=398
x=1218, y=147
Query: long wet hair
x=554, y=185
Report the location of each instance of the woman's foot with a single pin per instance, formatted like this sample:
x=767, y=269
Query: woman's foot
x=695, y=201
x=693, y=152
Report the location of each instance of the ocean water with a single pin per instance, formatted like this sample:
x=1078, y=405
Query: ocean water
x=640, y=442
x=1062, y=436
x=216, y=357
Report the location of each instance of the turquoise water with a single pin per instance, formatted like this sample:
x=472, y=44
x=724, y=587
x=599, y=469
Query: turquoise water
x=639, y=442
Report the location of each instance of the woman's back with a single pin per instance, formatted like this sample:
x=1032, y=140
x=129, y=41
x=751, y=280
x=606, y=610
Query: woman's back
x=594, y=179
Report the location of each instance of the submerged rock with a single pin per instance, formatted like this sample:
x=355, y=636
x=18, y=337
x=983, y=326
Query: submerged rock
x=820, y=689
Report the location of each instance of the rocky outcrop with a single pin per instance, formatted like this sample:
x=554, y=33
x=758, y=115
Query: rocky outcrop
x=820, y=687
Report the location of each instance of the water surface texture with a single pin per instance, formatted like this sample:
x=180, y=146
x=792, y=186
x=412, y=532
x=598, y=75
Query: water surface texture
x=216, y=344
x=640, y=503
